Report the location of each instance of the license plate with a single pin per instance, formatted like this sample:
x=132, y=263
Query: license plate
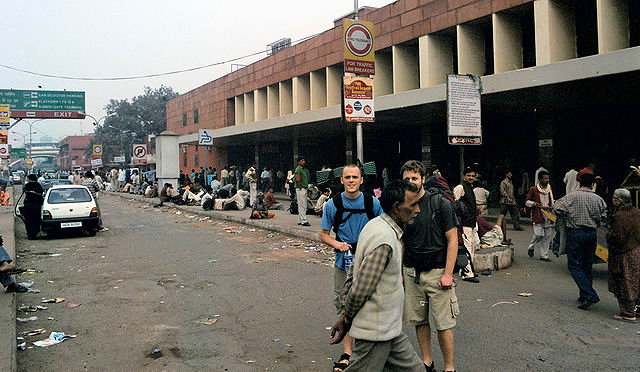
x=70, y=224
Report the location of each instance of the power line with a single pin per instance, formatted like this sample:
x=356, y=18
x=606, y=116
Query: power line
x=148, y=75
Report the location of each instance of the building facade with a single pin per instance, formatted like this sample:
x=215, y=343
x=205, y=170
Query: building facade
x=73, y=153
x=559, y=77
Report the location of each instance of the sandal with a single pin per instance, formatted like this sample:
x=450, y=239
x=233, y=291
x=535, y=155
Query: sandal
x=625, y=319
x=341, y=366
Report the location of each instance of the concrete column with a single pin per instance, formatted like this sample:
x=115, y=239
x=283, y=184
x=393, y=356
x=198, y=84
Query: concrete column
x=436, y=59
x=406, y=70
x=334, y=84
x=318, y=89
x=349, y=148
x=286, y=97
x=239, y=109
x=167, y=158
x=301, y=93
x=471, y=50
x=555, y=27
x=273, y=101
x=249, y=108
x=383, y=82
x=260, y=103
x=613, y=25
x=507, y=43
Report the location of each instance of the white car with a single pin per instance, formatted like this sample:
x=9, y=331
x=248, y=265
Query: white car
x=68, y=207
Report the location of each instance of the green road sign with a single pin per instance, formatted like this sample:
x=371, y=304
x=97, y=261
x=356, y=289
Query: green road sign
x=43, y=103
x=18, y=152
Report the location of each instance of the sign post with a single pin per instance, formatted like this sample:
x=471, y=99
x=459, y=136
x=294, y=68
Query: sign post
x=205, y=139
x=139, y=154
x=97, y=150
x=49, y=104
x=358, y=99
x=5, y=115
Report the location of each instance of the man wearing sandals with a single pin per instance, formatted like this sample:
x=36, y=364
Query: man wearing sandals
x=346, y=238
x=373, y=294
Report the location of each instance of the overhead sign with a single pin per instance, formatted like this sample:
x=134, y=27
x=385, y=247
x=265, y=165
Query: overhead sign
x=118, y=159
x=358, y=99
x=463, y=110
x=5, y=115
x=18, y=152
x=4, y=151
x=204, y=138
x=52, y=104
x=97, y=150
x=96, y=163
x=139, y=154
x=359, y=56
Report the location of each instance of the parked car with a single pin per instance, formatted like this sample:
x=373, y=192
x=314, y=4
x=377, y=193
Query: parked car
x=67, y=207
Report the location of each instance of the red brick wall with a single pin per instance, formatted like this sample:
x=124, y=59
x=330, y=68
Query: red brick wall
x=75, y=142
x=395, y=23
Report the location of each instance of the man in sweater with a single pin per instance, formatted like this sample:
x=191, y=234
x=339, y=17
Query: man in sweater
x=539, y=198
x=373, y=294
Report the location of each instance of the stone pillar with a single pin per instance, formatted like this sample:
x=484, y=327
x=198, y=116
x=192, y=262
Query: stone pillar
x=167, y=159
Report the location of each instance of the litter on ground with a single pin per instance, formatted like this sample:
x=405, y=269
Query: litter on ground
x=54, y=338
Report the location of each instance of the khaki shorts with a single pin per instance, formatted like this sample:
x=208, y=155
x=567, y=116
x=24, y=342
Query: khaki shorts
x=339, y=277
x=426, y=298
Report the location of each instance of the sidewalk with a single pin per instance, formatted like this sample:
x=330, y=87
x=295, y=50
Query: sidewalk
x=8, y=300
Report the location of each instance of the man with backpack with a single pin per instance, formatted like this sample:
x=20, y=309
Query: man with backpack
x=346, y=214
x=430, y=251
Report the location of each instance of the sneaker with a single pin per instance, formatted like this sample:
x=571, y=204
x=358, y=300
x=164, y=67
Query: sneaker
x=471, y=279
x=545, y=259
x=530, y=252
x=103, y=229
x=305, y=223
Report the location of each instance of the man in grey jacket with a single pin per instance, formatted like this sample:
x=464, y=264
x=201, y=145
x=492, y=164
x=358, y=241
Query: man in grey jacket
x=373, y=296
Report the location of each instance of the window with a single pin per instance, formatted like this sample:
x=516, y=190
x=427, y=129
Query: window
x=184, y=119
x=195, y=116
x=69, y=195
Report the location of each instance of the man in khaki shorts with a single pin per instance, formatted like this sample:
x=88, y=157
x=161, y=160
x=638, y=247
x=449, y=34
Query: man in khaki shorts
x=431, y=247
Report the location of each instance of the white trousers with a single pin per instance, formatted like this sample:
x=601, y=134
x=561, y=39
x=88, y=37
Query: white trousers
x=541, y=235
x=471, y=242
x=301, y=197
x=253, y=191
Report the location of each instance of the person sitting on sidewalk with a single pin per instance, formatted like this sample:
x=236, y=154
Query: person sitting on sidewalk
x=322, y=200
x=169, y=194
x=208, y=200
x=4, y=197
x=5, y=277
x=271, y=202
x=259, y=209
x=235, y=202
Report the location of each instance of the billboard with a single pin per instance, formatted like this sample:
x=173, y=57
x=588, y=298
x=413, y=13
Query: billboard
x=359, y=56
x=464, y=124
x=358, y=100
x=50, y=104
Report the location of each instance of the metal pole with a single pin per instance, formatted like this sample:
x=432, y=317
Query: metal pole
x=355, y=8
x=359, y=140
x=206, y=176
x=461, y=152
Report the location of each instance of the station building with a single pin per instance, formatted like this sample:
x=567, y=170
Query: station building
x=560, y=80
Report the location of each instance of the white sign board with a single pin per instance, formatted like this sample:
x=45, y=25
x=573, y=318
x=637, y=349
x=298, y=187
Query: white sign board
x=118, y=159
x=545, y=142
x=358, y=99
x=139, y=154
x=463, y=110
x=204, y=138
x=95, y=163
x=4, y=151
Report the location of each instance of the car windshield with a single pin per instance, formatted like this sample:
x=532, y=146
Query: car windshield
x=69, y=195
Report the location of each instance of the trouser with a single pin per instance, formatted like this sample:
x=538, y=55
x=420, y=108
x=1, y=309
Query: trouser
x=266, y=183
x=581, y=251
x=253, y=192
x=6, y=279
x=31, y=215
x=512, y=209
x=471, y=242
x=542, y=235
x=559, y=243
x=628, y=308
x=99, y=214
x=396, y=354
x=301, y=197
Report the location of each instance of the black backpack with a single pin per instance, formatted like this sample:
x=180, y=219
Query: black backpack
x=340, y=210
x=293, y=208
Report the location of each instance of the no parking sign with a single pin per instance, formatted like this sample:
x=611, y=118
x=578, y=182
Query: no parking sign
x=139, y=154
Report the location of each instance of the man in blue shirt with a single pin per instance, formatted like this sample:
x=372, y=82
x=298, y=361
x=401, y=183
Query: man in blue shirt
x=354, y=216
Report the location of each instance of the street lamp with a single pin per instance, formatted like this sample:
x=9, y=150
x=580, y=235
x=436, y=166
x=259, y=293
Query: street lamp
x=31, y=132
x=96, y=122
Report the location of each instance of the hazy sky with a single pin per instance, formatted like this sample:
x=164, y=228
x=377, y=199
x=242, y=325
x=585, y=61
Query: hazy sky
x=118, y=38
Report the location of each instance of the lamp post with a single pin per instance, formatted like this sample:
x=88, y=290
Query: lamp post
x=30, y=134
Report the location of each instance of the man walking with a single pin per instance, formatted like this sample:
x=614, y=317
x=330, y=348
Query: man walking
x=265, y=179
x=508, y=201
x=467, y=200
x=373, y=291
x=430, y=250
x=346, y=214
x=584, y=211
x=540, y=198
x=301, y=183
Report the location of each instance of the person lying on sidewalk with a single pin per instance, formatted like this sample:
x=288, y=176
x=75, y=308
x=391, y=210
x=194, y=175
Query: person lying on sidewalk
x=5, y=277
x=259, y=209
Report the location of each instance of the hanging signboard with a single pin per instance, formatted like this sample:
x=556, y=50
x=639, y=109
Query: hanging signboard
x=5, y=115
x=4, y=151
x=463, y=110
x=204, y=138
x=96, y=163
x=358, y=100
x=118, y=159
x=54, y=104
x=97, y=150
x=18, y=152
x=139, y=154
x=359, y=56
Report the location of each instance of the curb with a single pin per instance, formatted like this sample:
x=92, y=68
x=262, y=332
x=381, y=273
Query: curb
x=8, y=300
x=262, y=224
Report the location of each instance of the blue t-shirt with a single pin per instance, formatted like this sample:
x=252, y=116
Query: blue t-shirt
x=349, y=231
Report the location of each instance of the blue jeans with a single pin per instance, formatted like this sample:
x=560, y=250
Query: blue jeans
x=581, y=250
x=5, y=278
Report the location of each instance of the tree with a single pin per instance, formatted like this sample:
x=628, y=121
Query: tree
x=130, y=122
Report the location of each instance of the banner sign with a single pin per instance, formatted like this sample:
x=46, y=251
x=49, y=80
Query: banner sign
x=5, y=115
x=118, y=159
x=359, y=56
x=4, y=151
x=139, y=154
x=18, y=152
x=358, y=99
x=463, y=110
x=51, y=104
x=96, y=163
x=97, y=150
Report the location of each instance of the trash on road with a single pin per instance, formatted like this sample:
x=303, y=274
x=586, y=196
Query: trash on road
x=33, y=332
x=214, y=260
x=252, y=230
x=178, y=212
x=26, y=284
x=22, y=346
x=56, y=300
x=155, y=354
x=54, y=338
x=276, y=340
x=72, y=305
x=55, y=255
x=24, y=320
x=229, y=228
x=525, y=294
x=505, y=302
x=207, y=321
x=50, y=318
x=27, y=309
x=203, y=218
x=250, y=361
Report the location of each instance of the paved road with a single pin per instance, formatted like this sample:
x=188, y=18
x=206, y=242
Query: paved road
x=144, y=284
